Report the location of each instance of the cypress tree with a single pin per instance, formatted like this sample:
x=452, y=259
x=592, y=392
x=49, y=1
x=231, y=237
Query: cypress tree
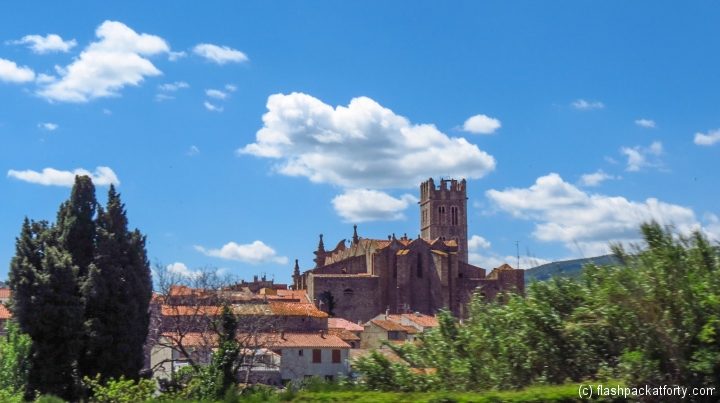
x=47, y=308
x=117, y=295
x=76, y=225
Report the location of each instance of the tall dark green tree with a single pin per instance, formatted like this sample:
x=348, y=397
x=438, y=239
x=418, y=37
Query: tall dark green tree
x=81, y=291
x=47, y=308
x=76, y=225
x=117, y=295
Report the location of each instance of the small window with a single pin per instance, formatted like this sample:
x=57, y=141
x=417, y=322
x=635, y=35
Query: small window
x=336, y=357
x=317, y=356
x=460, y=275
x=348, y=292
x=301, y=353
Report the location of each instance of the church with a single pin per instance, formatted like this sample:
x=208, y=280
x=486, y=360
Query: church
x=404, y=275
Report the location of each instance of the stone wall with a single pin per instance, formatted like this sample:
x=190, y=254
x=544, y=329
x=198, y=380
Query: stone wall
x=356, y=296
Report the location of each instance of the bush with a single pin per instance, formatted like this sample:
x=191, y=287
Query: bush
x=119, y=391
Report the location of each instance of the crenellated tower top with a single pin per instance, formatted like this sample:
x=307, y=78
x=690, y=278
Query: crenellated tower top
x=443, y=212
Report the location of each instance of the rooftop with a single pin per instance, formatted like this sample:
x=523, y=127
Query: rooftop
x=340, y=323
x=269, y=340
x=389, y=325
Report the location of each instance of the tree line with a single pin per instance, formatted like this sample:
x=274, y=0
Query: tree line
x=81, y=289
x=651, y=319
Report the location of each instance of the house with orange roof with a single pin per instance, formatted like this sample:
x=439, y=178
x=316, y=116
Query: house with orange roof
x=271, y=358
x=5, y=314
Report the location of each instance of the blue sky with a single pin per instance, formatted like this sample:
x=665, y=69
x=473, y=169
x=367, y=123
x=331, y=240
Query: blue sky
x=239, y=132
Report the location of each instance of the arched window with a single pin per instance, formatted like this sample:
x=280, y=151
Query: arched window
x=348, y=292
x=419, y=266
x=454, y=220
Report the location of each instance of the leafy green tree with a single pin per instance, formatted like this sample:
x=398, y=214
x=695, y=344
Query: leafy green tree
x=117, y=294
x=221, y=375
x=14, y=360
x=48, y=309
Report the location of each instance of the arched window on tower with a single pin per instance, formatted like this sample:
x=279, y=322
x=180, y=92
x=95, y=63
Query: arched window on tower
x=454, y=215
x=419, y=266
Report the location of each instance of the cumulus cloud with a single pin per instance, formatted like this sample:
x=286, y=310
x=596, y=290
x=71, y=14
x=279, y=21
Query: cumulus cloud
x=212, y=107
x=638, y=157
x=230, y=87
x=645, y=123
x=216, y=94
x=173, y=86
x=48, y=126
x=361, y=146
x=563, y=213
x=106, y=66
x=10, y=72
x=477, y=242
x=595, y=178
x=583, y=104
x=481, y=124
x=46, y=44
x=181, y=269
x=219, y=54
x=358, y=205
x=193, y=151
x=709, y=139
x=102, y=176
x=254, y=253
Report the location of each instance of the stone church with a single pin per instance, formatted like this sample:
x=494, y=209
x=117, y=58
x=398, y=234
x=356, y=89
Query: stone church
x=403, y=275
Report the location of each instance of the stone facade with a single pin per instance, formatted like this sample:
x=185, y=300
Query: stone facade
x=403, y=275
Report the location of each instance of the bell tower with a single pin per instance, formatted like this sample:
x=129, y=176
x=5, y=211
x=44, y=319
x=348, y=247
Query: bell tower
x=443, y=213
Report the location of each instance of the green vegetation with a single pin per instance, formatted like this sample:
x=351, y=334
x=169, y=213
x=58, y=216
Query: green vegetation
x=81, y=289
x=652, y=319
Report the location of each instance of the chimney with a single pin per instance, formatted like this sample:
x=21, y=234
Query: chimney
x=387, y=313
x=322, y=334
x=282, y=335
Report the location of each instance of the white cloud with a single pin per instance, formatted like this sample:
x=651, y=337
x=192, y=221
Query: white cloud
x=595, y=178
x=363, y=145
x=193, y=151
x=638, y=156
x=709, y=139
x=358, y=205
x=212, y=107
x=107, y=112
x=254, y=253
x=47, y=44
x=481, y=124
x=48, y=126
x=477, y=242
x=162, y=97
x=583, y=104
x=215, y=94
x=102, y=176
x=181, y=269
x=230, y=87
x=563, y=213
x=175, y=56
x=10, y=72
x=173, y=86
x=611, y=160
x=218, y=54
x=645, y=123
x=106, y=66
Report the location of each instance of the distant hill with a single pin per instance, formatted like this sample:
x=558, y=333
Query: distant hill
x=565, y=268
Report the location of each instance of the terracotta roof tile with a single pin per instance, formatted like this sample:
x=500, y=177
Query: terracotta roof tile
x=296, y=309
x=5, y=292
x=4, y=312
x=340, y=323
x=343, y=334
x=411, y=329
x=389, y=325
x=184, y=310
x=422, y=320
x=269, y=340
